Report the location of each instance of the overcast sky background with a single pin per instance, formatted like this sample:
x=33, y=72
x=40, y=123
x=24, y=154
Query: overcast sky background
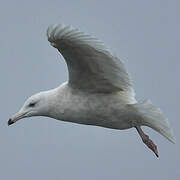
x=144, y=34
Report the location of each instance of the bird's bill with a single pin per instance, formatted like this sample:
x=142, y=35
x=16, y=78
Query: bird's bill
x=16, y=117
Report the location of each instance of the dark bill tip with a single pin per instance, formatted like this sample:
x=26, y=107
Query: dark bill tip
x=10, y=122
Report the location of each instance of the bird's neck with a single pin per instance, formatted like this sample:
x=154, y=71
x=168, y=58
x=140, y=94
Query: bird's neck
x=56, y=100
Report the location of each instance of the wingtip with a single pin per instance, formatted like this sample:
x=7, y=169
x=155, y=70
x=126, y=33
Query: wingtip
x=50, y=30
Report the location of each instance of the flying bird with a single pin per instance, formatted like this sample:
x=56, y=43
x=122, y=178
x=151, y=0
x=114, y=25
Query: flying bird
x=99, y=91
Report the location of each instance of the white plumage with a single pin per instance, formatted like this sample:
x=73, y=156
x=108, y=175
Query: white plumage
x=99, y=91
x=102, y=72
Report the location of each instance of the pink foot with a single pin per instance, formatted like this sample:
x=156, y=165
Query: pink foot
x=150, y=144
x=147, y=141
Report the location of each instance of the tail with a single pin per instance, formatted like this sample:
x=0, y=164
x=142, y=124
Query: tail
x=151, y=116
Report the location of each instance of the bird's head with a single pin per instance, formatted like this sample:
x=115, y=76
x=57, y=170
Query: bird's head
x=35, y=105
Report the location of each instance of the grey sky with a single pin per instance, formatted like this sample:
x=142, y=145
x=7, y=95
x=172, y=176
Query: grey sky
x=144, y=34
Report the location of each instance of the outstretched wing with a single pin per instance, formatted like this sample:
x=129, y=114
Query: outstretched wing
x=91, y=66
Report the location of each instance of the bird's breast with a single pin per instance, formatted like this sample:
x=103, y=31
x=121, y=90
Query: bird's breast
x=94, y=109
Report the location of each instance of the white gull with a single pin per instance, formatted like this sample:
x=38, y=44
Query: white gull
x=99, y=91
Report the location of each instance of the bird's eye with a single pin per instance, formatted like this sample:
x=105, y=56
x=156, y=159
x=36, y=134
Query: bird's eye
x=32, y=104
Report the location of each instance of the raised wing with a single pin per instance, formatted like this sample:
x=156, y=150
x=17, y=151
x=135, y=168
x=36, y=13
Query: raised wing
x=91, y=66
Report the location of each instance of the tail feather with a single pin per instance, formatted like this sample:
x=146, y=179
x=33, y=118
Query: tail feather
x=152, y=116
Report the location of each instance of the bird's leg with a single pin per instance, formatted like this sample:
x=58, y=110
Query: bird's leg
x=147, y=141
